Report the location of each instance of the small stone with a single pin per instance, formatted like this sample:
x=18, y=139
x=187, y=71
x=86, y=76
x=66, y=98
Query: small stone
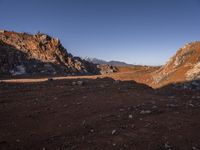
x=145, y=112
x=65, y=106
x=130, y=116
x=114, y=144
x=194, y=148
x=132, y=126
x=172, y=105
x=80, y=82
x=84, y=122
x=83, y=138
x=154, y=107
x=167, y=146
x=113, y=132
x=73, y=83
x=79, y=103
x=17, y=140
x=121, y=109
x=191, y=105
x=84, y=97
x=102, y=86
x=153, y=102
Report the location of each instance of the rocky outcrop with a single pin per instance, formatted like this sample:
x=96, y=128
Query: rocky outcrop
x=184, y=66
x=23, y=53
x=194, y=73
x=106, y=69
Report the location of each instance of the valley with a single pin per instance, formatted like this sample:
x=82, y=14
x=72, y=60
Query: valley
x=51, y=100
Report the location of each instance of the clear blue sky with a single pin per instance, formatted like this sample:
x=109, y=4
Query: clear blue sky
x=134, y=31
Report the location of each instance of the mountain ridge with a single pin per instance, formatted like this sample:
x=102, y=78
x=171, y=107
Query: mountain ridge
x=103, y=62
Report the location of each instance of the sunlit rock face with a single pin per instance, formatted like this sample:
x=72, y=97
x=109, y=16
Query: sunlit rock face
x=23, y=53
x=183, y=66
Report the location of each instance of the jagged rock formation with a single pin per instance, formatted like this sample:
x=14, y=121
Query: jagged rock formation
x=23, y=53
x=184, y=66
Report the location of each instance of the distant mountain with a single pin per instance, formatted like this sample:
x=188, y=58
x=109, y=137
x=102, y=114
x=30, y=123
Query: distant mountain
x=103, y=62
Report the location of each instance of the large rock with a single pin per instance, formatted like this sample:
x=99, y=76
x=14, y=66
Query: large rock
x=106, y=69
x=23, y=53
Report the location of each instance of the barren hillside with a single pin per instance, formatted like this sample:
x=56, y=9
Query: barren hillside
x=183, y=67
x=23, y=53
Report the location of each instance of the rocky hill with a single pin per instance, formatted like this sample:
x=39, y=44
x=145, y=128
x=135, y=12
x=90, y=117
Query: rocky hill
x=23, y=53
x=183, y=66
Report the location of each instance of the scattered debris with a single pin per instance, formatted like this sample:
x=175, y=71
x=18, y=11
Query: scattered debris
x=74, y=83
x=154, y=107
x=80, y=83
x=167, y=146
x=145, y=112
x=172, y=105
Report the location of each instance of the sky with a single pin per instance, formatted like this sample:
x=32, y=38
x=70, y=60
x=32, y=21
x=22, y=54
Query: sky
x=144, y=32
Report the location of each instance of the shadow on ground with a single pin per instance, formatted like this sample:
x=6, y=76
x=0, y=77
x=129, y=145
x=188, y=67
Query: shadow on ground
x=87, y=114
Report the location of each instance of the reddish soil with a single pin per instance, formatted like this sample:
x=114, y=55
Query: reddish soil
x=100, y=114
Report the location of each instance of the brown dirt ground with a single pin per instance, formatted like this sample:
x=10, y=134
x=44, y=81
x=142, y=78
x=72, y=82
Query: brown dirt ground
x=101, y=114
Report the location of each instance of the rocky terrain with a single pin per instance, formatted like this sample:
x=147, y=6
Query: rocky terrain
x=40, y=54
x=26, y=54
x=106, y=108
x=87, y=114
x=184, y=66
x=107, y=69
x=183, y=69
